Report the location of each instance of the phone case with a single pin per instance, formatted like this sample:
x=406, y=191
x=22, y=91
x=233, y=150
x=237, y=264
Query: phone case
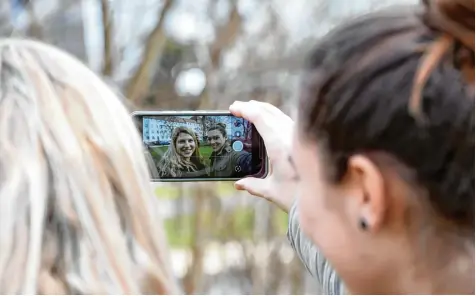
x=194, y=113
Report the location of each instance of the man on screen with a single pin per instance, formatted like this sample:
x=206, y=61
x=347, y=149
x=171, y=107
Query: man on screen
x=224, y=160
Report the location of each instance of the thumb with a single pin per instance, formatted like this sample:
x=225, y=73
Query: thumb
x=254, y=186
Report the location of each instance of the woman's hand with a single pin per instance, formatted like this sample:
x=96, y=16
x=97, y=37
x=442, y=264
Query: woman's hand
x=276, y=129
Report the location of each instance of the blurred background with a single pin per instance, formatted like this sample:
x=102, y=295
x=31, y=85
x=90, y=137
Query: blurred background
x=200, y=54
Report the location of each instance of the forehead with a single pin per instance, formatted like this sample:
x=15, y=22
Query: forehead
x=214, y=132
x=183, y=136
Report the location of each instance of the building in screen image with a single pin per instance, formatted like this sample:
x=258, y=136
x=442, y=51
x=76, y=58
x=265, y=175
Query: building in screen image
x=158, y=130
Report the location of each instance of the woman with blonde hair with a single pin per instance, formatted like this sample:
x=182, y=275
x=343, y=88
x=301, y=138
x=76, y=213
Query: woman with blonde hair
x=182, y=158
x=77, y=213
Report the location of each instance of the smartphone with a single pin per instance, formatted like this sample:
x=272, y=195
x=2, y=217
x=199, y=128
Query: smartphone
x=200, y=146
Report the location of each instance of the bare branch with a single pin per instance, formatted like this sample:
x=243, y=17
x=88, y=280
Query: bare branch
x=140, y=82
x=35, y=29
x=107, y=68
x=225, y=37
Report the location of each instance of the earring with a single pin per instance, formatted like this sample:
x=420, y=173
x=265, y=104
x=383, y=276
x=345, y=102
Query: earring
x=363, y=224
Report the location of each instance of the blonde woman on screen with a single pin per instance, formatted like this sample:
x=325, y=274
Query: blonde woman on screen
x=77, y=213
x=182, y=158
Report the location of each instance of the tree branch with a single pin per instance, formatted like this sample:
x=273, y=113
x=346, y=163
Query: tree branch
x=35, y=29
x=140, y=82
x=225, y=37
x=107, y=68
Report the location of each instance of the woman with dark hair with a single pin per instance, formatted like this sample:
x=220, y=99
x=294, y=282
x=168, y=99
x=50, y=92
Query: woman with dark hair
x=182, y=159
x=224, y=161
x=382, y=154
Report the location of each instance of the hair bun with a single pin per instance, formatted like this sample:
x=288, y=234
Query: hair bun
x=454, y=17
x=221, y=124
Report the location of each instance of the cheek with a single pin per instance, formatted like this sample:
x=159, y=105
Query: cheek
x=320, y=219
x=311, y=206
x=318, y=211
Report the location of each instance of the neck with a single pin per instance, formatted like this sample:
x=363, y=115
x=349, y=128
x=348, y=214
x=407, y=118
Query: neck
x=432, y=271
x=220, y=149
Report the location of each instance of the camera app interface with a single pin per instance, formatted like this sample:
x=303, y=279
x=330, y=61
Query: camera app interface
x=188, y=147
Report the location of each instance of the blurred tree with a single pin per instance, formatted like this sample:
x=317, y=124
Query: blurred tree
x=226, y=36
x=107, y=69
x=139, y=85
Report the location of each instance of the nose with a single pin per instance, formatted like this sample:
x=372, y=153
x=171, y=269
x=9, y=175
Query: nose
x=187, y=145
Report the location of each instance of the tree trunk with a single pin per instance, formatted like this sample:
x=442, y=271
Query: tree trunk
x=35, y=29
x=194, y=274
x=225, y=36
x=139, y=84
x=107, y=68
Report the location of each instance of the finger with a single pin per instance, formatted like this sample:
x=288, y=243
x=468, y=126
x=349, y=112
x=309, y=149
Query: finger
x=273, y=116
x=261, y=188
x=242, y=109
x=273, y=110
x=254, y=186
x=245, y=110
x=237, y=108
x=263, y=121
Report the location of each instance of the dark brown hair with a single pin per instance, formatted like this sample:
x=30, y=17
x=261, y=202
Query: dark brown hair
x=221, y=127
x=400, y=82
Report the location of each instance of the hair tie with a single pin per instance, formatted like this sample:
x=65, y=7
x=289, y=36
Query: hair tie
x=455, y=19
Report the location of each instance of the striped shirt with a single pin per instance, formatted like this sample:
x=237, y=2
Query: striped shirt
x=312, y=258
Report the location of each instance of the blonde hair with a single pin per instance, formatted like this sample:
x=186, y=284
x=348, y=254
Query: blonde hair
x=77, y=214
x=172, y=164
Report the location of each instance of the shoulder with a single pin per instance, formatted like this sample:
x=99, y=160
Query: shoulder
x=241, y=154
x=198, y=161
x=200, y=165
x=228, y=149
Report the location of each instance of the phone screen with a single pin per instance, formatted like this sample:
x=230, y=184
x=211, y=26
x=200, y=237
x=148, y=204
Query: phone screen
x=201, y=147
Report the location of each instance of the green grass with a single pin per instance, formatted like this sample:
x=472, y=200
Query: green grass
x=235, y=225
x=171, y=191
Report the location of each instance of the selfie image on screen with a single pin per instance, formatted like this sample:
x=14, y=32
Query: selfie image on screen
x=184, y=147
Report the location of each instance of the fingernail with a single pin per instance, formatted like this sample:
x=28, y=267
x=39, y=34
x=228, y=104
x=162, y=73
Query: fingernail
x=239, y=186
x=234, y=107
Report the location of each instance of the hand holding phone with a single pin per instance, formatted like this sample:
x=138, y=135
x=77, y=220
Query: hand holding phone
x=276, y=129
x=200, y=146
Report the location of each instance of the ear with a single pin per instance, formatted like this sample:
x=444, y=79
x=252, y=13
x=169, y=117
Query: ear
x=370, y=182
